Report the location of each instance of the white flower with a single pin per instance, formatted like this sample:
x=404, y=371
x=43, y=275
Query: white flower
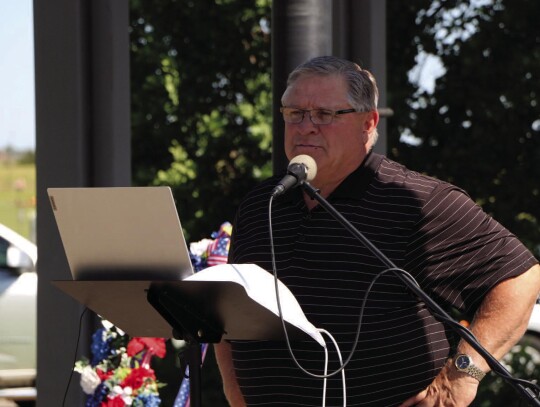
x=124, y=392
x=125, y=360
x=198, y=248
x=106, y=324
x=89, y=380
x=117, y=390
x=128, y=400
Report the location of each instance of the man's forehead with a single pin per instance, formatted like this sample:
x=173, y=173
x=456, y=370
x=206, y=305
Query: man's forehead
x=316, y=89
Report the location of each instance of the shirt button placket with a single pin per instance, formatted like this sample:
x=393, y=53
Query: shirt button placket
x=305, y=220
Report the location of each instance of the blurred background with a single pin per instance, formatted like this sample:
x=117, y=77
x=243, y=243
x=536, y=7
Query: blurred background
x=462, y=88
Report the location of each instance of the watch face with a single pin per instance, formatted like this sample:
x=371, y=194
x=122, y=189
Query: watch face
x=463, y=362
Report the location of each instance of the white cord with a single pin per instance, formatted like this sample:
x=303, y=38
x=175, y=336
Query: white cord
x=343, y=382
x=325, y=380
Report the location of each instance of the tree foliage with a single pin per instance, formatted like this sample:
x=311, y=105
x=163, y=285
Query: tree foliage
x=201, y=103
x=479, y=128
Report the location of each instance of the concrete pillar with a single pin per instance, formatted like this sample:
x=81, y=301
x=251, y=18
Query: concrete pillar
x=82, y=140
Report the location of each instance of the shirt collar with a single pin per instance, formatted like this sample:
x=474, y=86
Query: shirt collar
x=353, y=187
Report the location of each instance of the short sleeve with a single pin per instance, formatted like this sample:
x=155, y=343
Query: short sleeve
x=458, y=253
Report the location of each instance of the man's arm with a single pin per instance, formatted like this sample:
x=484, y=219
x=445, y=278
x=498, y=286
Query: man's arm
x=230, y=384
x=499, y=323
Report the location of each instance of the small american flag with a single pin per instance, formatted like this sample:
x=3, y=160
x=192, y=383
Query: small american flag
x=218, y=250
x=183, y=399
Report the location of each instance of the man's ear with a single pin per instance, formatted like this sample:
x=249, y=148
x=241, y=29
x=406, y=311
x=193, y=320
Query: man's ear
x=371, y=122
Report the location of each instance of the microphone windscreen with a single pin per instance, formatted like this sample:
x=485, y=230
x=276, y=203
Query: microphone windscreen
x=309, y=163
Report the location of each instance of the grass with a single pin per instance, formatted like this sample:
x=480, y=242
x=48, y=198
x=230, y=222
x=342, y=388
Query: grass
x=17, y=197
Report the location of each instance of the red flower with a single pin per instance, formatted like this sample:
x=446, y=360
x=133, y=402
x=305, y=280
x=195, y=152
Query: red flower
x=114, y=402
x=103, y=375
x=155, y=346
x=137, y=376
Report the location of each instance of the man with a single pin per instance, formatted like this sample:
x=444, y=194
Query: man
x=460, y=256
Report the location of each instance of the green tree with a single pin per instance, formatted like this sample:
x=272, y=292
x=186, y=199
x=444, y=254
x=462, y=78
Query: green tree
x=201, y=100
x=479, y=127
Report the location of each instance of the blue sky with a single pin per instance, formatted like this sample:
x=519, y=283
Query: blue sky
x=17, y=111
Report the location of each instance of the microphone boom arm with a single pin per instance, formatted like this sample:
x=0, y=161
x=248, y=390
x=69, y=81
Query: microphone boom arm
x=526, y=392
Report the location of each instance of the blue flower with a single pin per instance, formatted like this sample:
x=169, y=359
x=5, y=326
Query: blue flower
x=198, y=262
x=100, y=348
x=148, y=400
x=99, y=395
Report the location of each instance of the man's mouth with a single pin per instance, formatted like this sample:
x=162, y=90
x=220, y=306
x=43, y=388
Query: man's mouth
x=307, y=146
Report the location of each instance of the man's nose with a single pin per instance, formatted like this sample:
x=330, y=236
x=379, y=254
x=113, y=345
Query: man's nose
x=307, y=124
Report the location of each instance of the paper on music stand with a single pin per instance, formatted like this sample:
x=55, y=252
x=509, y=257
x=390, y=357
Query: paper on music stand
x=260, y=287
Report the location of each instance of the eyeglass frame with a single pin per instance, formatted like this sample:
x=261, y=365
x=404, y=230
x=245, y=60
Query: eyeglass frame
x=304, y=111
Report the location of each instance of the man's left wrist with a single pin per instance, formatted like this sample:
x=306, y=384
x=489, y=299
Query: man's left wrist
x=464, y=363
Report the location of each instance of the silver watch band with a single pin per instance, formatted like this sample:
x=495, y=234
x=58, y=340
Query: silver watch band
x=475, y=372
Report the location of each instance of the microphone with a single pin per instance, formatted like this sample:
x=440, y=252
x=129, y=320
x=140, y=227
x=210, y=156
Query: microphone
x=301, y=168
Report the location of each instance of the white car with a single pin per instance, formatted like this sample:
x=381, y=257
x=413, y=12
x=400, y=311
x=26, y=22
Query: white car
x=18, y=309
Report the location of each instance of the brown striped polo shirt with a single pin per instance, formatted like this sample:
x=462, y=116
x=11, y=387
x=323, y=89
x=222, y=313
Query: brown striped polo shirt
x=427, y=227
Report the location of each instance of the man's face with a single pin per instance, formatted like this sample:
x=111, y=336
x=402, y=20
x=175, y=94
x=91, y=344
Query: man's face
x=338, y=148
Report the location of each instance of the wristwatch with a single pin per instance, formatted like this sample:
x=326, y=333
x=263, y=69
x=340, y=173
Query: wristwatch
x=464, y=363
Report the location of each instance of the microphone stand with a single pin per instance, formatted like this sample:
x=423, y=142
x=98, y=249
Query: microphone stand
x=526, y=392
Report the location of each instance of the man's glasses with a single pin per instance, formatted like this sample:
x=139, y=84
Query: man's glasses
x=317, y=116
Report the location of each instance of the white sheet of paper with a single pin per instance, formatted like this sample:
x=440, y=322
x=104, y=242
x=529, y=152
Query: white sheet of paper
x=260, y=287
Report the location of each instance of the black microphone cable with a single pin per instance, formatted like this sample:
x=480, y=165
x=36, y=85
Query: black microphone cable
x=74, y=356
